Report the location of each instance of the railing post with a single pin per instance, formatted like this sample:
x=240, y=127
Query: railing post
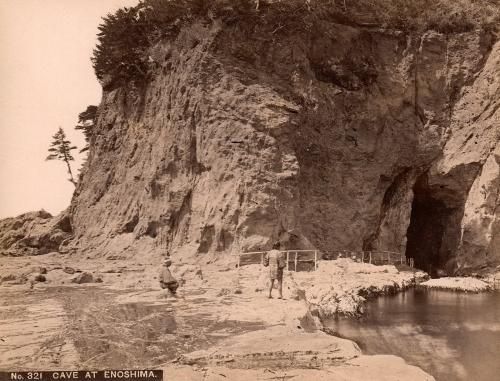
x=296, y=261
x=287, y=259
x=315, y=260
x=370, y=256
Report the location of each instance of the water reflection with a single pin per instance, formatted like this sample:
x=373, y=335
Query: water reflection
x=452, y=336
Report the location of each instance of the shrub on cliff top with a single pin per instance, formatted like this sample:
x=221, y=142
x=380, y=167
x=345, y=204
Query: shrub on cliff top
x=125, y=37
x=121, y=41
x=445, y=16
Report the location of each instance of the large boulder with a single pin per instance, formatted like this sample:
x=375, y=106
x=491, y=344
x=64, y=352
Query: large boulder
x=34, y=233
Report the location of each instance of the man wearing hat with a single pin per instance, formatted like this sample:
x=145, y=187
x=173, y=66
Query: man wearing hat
x=166, y=278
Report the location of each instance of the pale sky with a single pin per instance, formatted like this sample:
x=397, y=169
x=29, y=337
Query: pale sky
x=46, y=80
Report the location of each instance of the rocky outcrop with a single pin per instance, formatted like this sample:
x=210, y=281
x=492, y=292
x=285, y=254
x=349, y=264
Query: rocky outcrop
x=472, y=156
x=331, y=136
x=318, y=133
x=34, y=233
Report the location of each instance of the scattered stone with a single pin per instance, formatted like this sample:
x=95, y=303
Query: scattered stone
x=7, y=278
x=83, y=278
x=155, y=349
x=238, y=291
x=329, y=331
x=115, y=258
x=38, y=270
x=98, y=280
x=39, y=278
x=20, y=279
x=69, y=270
x=224, y=291
x=298, y=294
x=199, y=273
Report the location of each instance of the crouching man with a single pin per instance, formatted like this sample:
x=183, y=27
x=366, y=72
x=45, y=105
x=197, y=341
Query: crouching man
x=166, y=278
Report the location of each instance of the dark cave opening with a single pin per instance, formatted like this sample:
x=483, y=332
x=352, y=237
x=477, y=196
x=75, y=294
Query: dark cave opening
x=434, y=230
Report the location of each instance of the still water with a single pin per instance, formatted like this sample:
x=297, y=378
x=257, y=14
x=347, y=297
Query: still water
x=452, y=336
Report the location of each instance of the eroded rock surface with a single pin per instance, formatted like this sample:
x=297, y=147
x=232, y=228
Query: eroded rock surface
x=34, y=233
x=221, y=335
x=332, y=136
x=329, y=136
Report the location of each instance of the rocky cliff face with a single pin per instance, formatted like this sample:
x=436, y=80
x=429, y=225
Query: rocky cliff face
x=325, y=135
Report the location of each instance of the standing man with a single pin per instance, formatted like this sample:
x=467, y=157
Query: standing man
x=276, y=262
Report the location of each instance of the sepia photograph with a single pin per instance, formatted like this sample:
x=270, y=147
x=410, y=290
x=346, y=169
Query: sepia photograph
x=273, y=190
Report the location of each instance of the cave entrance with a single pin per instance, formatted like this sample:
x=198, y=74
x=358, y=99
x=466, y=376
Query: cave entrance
x=434, y=230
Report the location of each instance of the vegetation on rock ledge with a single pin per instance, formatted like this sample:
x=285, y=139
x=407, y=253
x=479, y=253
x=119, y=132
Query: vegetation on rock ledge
x=86, y=123
x=126, y=36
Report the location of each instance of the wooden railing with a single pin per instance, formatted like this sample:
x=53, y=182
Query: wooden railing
x=376, y=257
x=295, y=259
x=496, y=283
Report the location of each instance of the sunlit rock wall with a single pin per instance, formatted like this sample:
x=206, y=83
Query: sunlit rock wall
x=317, y=135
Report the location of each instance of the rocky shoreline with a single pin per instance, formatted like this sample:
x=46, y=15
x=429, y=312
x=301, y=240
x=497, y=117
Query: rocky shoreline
x=223, y=324
x=300, y=347
x=220, y=326
x=340, y=288
x=458, y=284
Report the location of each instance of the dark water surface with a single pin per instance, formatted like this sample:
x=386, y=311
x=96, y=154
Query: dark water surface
x=452, y=336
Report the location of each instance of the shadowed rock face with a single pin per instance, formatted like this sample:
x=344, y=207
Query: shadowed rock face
x=245, y=134
x=434, y=230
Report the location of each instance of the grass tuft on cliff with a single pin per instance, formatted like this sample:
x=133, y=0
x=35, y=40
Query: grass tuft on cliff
x=125, y=37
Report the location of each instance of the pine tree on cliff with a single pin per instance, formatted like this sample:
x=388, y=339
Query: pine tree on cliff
x=86, y=123
x=60, y=149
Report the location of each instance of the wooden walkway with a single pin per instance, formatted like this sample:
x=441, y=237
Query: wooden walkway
x=307, y=260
